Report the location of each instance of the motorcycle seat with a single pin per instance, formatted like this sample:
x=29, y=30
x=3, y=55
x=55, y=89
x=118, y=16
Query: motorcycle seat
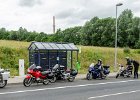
x=45, y=72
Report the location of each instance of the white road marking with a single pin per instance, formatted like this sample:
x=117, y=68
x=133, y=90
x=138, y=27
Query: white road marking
x=23, y=91
x=107, y=95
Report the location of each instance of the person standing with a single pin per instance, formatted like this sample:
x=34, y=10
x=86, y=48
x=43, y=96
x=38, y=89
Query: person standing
x=136, y=68
x=129, y=65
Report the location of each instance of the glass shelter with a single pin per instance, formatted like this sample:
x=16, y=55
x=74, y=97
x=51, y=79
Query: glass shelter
x=47, y=54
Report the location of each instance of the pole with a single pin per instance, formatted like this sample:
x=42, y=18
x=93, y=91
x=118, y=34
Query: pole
x=139, y=30
x=53, y=24
x=116, y=41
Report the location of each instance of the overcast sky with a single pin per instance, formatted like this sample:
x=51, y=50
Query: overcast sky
x=37, y=14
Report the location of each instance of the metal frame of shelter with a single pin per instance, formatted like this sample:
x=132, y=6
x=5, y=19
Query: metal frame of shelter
x=47, y=54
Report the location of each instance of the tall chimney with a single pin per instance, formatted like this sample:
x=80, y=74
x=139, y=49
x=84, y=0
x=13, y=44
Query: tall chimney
x=53, y=24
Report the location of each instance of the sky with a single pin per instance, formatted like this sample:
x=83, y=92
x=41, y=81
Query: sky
x=37, y=15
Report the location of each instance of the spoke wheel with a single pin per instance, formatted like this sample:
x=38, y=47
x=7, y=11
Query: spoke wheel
x=27, y=82
x=3, y=83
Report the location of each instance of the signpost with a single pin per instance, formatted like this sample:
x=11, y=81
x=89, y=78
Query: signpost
x=21, y=67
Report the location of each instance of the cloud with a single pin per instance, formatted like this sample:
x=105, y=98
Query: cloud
x=29, y=3
x=65, y=14
x=37, y=14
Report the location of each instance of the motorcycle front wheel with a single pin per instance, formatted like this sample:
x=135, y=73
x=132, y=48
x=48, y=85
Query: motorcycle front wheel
x=89, y=76
x=3, y=84
x=71, y=78
x=27, y=82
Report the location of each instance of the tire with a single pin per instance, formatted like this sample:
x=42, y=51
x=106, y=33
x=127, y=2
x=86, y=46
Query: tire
x=89, y=76
x=46, y=81
x=27, y=82
x=71, y=78
x=3, y=84
x=117, y=75
x=103, y=77
x=53, y=80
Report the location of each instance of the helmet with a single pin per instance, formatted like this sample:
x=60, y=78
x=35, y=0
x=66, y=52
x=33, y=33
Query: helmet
x=99, y=60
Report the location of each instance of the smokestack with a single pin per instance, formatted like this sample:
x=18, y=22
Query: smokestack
x=53, y=24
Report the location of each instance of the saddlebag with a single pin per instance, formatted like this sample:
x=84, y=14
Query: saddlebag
x=74, y=72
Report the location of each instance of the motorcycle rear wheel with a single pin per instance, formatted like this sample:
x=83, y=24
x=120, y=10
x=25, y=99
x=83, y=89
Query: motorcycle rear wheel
x=117, y=75
x=53, y=80
x=46, y=81
x=3, y=84
x=27, y=82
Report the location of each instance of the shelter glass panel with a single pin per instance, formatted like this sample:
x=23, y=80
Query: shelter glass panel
x=39, y=45
x=73, y=46
x=61, y=46
x=67, y=46
x=53, y=45
x=47, y=46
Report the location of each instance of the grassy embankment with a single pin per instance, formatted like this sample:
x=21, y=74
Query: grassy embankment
x=12, y=51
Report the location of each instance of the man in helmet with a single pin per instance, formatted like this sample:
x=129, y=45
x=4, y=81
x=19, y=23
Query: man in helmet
x=100, y=68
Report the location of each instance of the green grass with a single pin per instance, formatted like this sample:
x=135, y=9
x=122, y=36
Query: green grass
x=91, y=54
x=12, y=51
x=14, y=44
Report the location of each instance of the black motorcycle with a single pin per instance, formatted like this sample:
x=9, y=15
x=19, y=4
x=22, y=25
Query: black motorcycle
x=60, y=73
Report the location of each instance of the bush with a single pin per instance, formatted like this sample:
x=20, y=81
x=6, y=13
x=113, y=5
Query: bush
x=126, y=50
x=137, y=45
x=9, y=58
x=137, y=51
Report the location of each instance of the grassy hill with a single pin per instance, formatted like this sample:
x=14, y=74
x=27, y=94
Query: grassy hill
x=12, y=51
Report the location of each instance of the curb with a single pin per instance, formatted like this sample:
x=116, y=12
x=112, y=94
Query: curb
x=82, y=77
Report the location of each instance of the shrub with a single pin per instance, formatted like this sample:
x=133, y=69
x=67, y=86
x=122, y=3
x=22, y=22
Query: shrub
x=126, y=50
x=137, y=45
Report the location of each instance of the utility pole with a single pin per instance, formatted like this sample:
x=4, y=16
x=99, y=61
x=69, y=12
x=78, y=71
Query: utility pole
x=116, y=35
x=53, y=24
x=139, y=30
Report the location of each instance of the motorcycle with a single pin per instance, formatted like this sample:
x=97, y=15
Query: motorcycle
x=36, y=75
x=124, y=72
x=94, y=72
x=4, y=75
x=61, y=73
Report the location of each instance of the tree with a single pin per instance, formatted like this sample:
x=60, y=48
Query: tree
x=125, y=28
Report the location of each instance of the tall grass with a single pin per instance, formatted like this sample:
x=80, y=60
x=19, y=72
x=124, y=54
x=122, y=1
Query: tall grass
x=91, y=54
x=12, y=51
x=14, y=44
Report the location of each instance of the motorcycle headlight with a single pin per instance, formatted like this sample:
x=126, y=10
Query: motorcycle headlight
x=28, y=70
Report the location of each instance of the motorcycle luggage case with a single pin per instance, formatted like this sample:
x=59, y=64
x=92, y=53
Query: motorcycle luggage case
x=1, y=77
x=5, y=75
x=74, y=73
x=106, y=67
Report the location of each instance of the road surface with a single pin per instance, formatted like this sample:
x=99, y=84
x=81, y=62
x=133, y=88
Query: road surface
x=109, y=89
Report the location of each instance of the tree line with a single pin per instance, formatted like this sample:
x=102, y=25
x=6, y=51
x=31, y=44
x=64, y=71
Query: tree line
x=95, y=32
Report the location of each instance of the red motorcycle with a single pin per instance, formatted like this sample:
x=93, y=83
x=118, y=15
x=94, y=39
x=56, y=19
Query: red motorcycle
x=35, y=75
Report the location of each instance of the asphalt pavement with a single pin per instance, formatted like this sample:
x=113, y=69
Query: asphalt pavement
x=80, y=89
